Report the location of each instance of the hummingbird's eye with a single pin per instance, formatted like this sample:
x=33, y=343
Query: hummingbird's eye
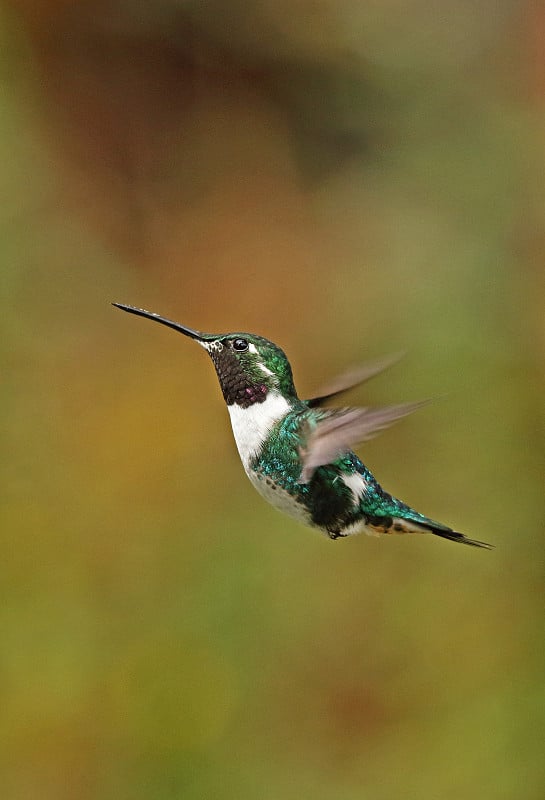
x=240, y=345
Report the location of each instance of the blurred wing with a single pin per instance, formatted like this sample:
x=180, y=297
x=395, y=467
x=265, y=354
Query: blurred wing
x=353, y=377
x=342, y=430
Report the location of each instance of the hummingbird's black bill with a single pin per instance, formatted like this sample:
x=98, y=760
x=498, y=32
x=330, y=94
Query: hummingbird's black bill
x=141, y=312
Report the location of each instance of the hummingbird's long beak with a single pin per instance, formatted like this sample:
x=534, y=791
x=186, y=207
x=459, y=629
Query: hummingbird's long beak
x=141, y=312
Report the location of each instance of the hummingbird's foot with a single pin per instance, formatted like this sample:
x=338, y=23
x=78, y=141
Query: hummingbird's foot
x=336, y=534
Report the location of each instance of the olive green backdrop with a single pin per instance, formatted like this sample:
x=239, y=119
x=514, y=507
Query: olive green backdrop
x=348, y=179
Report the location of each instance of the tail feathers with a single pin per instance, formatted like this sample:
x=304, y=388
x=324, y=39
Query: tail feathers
x=455, y=536
x=413, y=522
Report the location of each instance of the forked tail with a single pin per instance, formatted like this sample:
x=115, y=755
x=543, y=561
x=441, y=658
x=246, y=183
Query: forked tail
x=411, y=521
x=455, y=536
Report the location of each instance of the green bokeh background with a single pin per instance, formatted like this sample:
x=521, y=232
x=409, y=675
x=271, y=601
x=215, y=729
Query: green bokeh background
x=348, y=180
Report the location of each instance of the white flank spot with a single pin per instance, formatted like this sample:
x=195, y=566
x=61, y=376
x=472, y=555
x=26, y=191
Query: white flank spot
x=252, y=425
x=356, y=484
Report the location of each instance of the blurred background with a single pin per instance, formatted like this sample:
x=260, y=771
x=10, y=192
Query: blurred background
x=348, y=179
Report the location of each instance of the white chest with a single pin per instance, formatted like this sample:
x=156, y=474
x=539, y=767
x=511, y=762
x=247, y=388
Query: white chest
x=252, y=425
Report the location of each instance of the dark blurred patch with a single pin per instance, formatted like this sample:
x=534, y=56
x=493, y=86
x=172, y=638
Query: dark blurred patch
x=120, y=92
x=335, y=113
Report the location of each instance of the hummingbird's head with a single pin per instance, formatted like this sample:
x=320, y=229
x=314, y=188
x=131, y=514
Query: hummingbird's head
x=248, y=366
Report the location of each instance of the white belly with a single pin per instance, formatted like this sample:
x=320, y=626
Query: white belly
x=279, y=498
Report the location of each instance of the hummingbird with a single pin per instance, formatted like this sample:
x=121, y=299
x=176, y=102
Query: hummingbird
x=298, y=454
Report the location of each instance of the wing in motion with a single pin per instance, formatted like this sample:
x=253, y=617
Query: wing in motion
x=341, y=430
x=353, y=377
